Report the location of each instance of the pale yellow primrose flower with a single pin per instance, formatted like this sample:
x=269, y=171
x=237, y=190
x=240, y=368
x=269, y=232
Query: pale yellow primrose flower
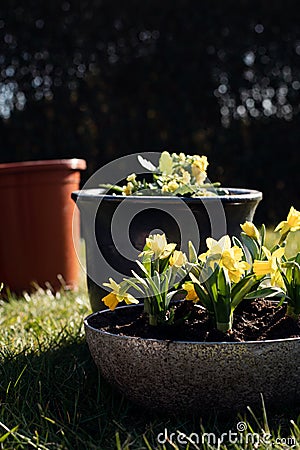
x=166, y=163
x=127, y=190
x=131, y=177
x=199, y=167
x=292, y=223
x=191, y=293
x=157, y=245
x=250, y=229
x=172, y=186
x=186, y=177
x=261, y=268
x=114, y=298
x=178, y=259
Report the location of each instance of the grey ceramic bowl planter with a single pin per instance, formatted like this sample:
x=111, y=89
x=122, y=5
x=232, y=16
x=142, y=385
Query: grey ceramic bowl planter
x=178, y=376
x=112, y=224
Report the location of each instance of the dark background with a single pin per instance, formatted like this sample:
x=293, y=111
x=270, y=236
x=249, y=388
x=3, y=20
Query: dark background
x=104, y=78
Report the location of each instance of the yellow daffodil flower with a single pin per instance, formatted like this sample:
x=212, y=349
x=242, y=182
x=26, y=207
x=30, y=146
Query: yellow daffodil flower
x=191, y=293
x=292, y=223
x=226, y=256
x=115, y=297
x=216, y=247
x=157, y=245
x=178, y=259
x=250, y=229
x=111, y=301
x=231, y=260
x=261, y=268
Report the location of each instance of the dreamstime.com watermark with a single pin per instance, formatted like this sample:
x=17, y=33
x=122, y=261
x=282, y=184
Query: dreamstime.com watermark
x=241, y=435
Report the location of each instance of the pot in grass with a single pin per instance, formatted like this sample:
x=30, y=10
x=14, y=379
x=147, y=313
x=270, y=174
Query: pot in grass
x=176, y=198
x=38, y=219
x=194, y=376
x=223, y=346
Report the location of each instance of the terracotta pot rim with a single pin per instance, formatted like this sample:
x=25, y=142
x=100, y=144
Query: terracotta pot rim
x=134, y=338
x=41, y=165
x=238, y=195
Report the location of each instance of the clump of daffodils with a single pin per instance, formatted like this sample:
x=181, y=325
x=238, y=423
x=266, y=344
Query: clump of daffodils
x=230, y=271
x=176, y=174
x=162, y=268
x=273, y=267
x=220, y=280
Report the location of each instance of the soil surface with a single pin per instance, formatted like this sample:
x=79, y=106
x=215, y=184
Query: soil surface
x=253, y=321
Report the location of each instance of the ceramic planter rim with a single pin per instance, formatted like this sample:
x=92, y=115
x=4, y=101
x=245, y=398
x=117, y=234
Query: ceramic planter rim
x=179, y=342
x=238, y=195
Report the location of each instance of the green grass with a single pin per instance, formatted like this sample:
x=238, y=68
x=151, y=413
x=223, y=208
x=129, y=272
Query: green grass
x=52, y=397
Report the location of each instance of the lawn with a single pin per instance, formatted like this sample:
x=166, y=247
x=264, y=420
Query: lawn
x=51, y=396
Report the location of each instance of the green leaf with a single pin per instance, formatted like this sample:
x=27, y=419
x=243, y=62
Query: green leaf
x=265, y=293
x=163, y=263
x=238, y=243
x=262, y=235
x=141, y=266
x=156, y=280
x=251, y=246
x=204, y=298
x=193, y=257
x=6, y=435
x=140, y=279
x=134, y=285
x=211, y=285
x=242, y=288
x=183, y=190
x=112, y=187
x=224, y=284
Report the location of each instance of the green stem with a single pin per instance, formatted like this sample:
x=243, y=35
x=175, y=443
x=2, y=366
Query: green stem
x=224, y=327
x=153, y=320
x=283, y=238
x=147, y=307
x=290, y=312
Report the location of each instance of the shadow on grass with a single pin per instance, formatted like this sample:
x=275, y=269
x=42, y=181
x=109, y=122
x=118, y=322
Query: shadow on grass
x=59, y=393
x=58, y=398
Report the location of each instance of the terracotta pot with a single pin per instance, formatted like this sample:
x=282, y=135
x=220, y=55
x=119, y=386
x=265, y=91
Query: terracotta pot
x=103, y=225
x=36, y=227
x=170, y=376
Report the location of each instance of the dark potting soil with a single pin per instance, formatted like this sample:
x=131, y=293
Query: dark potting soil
x=253, y=321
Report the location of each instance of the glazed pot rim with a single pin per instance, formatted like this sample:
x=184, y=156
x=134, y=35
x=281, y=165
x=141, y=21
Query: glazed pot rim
x=179, y=342
x=238, y=195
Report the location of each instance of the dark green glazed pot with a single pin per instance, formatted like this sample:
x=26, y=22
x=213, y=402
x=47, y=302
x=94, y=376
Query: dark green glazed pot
x=115, y=227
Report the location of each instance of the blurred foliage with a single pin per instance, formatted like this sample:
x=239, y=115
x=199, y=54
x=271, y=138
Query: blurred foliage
x=99, y=79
